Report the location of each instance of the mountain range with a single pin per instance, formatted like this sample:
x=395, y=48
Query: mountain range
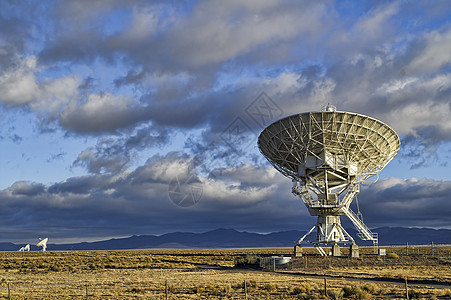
x=230, y=238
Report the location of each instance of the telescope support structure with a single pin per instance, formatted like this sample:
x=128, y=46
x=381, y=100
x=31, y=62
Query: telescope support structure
x=328, y=227
x=328, y=154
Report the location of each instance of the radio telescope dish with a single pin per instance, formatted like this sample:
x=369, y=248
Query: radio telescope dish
x=328, y=154
x=43, y=244
x=25, y=248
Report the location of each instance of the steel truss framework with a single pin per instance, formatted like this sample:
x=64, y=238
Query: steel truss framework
x=328, y=155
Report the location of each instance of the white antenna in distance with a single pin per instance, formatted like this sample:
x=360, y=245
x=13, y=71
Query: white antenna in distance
x=43, y=244
x=25, y=248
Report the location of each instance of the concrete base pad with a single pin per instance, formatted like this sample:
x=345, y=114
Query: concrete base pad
x=297, y=251
x=354, y=251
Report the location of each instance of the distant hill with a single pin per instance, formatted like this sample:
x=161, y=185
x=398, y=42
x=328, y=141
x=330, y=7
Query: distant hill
x=5, y=246
x=230, y=238
x=219, y=238
x=413, y=236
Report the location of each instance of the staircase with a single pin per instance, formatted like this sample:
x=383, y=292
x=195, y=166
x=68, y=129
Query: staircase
x=321, y=251
x=364, y=232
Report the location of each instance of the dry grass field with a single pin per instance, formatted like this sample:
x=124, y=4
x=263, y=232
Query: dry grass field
x=225, y=274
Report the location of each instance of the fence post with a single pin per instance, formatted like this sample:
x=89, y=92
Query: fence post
x=166, y=289
x=325, y=286
x=69, y=277
x=86, y=290
x=245, y=289
x=9, y=292
x=407, y=290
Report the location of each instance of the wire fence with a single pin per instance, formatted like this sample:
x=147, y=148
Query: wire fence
x=279, y=286
x=247, y=282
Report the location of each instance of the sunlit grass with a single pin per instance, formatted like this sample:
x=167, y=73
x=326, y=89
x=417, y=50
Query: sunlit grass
x=220, y=274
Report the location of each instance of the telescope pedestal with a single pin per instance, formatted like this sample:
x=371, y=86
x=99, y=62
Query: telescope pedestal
x=328, y=154
x=328, y=229
x=297, y=251
x=354, y=251
x=336, y=250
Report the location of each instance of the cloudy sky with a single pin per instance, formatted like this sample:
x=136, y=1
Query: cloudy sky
x=108, y=106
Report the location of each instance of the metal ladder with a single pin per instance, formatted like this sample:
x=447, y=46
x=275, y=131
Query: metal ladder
x=364, y=232
x=321, y=251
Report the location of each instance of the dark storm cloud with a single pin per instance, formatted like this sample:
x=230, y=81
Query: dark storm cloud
x=169, y=51
x=13, y=32
x=100, y=114
x=244, y=197
x=24, y=188
x=138, y=202
x=79, y=28
x=371, y=83
x=79, y=185
x=175, y=61
x=406, y=202
x=214, y=110
x=220, y=35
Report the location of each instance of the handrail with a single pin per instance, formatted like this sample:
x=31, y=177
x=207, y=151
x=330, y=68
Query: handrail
x=364, y=232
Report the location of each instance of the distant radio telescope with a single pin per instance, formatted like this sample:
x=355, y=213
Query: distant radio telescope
x=328, y=154
x=43, y=244
x=25, y=248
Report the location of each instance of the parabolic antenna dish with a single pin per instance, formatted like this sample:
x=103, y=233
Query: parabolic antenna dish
x=355, y=144
x=328, y=154
x=43, y=244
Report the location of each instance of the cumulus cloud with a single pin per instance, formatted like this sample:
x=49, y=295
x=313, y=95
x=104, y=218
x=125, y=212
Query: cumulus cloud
x=166, y=56
x=100, y=113
x=164, y=169
x=27, y=188
x=229, y=33
x=410, y=202
x=20, y=86
x=139, y=201
x=373, y=26
x=431, y=56
x=138, y=82
x=114, y=153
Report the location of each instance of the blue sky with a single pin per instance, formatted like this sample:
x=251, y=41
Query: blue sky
x=105, y=103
